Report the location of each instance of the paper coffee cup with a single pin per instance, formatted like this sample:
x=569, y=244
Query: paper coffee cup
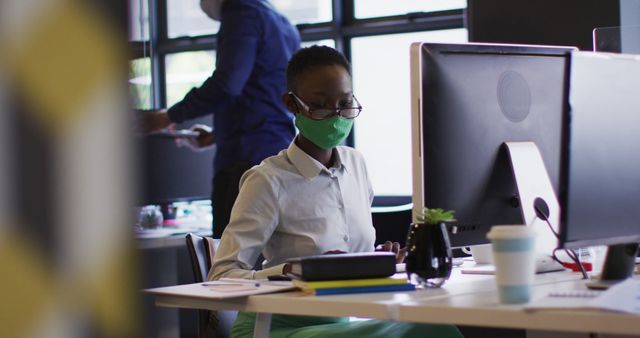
x=514, y=258
x=482, y=254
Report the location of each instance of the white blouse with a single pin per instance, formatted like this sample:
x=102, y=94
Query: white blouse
x=290, y=206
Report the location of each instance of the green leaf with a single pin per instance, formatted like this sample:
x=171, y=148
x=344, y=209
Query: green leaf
x=435, y=216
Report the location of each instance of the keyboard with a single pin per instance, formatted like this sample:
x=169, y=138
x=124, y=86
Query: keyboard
x=575, y=293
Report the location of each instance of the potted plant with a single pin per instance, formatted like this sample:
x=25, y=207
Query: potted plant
x=429, y=259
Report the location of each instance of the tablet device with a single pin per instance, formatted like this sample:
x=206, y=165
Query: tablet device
x=176, y=133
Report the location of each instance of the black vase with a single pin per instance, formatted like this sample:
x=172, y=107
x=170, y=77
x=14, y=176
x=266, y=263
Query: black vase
x=429, y=259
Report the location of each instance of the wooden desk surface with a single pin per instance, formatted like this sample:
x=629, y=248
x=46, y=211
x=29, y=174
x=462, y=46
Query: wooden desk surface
x=463, y=300
x=484, y=309
x=369, y=305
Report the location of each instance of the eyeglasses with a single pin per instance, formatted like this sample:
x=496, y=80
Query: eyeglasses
x=351, y=110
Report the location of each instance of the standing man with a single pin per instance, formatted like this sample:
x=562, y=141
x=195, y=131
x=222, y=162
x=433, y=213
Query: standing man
x=255, y=42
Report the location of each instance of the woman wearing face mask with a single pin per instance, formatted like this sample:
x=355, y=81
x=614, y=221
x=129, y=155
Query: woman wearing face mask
x=251, y=123
x=312, y=198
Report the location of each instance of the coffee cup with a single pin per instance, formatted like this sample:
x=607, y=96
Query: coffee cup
x=482, y=254
x=514, y=259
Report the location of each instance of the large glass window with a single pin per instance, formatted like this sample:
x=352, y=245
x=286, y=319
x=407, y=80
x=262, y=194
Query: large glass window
x=380, y=68
x=185, y=18
x=381, y=83
x=373, y=8
x=307, y=11
x=140, y=83
x=187, y=70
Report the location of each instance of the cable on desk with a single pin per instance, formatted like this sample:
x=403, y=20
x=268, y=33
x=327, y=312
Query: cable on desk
x=542, y=212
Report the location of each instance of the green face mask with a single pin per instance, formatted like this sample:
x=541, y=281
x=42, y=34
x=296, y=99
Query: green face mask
x=326, y=133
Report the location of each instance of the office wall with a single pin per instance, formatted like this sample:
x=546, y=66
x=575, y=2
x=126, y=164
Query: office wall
x=548, y=22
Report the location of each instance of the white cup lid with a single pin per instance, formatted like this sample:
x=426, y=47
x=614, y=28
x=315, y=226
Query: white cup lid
x=510, y=231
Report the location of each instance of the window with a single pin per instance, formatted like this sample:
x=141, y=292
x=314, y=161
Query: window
x=185, y=71
x=381, y=84
x=185, y=18
x=307, y=11
x=382, y=132
x=328, y=42
x=374, y=8
x=140, y=83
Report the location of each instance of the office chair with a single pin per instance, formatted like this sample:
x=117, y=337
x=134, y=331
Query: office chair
x=391, y=223
x=211, y=324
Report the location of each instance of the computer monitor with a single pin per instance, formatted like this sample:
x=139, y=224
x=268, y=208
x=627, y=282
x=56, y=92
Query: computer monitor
x=468, y=102
x=600, y=176
x=619, y=39
x=170, y=174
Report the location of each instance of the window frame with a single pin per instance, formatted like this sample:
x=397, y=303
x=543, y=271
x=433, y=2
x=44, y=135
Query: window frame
x=342, y=29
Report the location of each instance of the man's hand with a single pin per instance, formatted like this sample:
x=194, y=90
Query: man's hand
x=394, y=247
x=203, y=142
x=155, y=121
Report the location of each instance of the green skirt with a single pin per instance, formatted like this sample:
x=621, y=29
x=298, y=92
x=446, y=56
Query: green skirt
x=311, y=327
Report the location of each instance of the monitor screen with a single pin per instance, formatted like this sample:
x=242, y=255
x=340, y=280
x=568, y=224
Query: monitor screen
x=468, y=100
x=169, y=173
x=601, y=172
x=546, y=22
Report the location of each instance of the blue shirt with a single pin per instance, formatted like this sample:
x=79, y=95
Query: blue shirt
x=255, y=43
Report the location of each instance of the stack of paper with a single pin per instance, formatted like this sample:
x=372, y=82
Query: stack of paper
x=223, y=288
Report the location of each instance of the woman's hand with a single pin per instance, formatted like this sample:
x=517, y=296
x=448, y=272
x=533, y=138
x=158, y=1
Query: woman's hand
x=395, y=248
x=286, y=269
x=333, y=252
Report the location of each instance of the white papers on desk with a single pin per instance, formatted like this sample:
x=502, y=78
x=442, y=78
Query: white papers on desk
x=222, y=289
x=622, y=297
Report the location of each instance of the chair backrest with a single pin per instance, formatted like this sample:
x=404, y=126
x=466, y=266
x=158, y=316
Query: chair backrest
x=210, y=323
x=392, y=223
x=200, y=257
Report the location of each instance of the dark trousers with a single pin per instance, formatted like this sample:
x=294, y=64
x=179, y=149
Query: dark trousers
x=225, y=191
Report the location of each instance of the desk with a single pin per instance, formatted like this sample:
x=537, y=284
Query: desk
x=175, y=240
x=483, y=309
x=164, y=261
x=463, y=300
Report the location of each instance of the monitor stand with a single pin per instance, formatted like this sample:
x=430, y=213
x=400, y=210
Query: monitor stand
x=533, y=183
x=618, y=266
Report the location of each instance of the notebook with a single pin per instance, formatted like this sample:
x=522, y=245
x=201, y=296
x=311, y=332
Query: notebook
x=343, y=266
